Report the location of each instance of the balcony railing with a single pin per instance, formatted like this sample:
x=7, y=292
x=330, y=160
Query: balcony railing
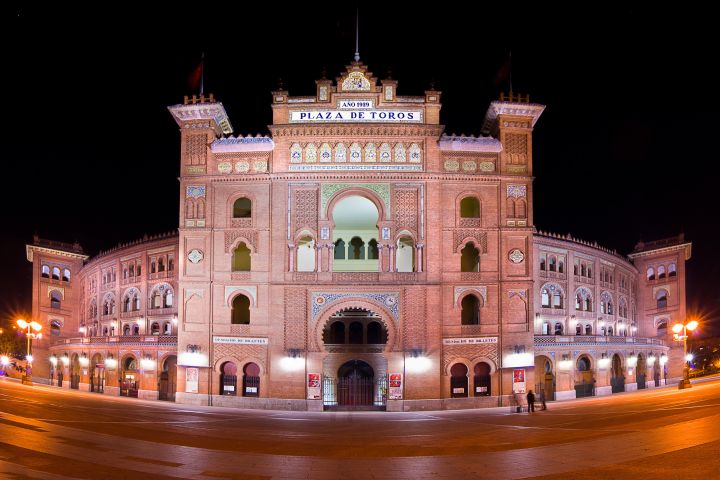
x=552, y=340
x=152, y=312
x=120, y=340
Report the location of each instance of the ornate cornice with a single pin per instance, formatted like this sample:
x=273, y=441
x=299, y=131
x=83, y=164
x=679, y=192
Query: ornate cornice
x=533, y=110
x=356, y=130
x=658, y=251
x=31, y=249
x=454, y=143
x=203, y=111
x=242, y=144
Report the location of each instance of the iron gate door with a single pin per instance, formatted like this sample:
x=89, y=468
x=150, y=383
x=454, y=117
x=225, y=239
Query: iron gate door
x=641, y=381
x=355, y=390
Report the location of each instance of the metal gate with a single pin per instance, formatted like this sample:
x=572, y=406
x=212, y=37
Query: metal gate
x=584, y=390
x=618, y=384
x=482, y=385
x=167, y=387
x=641, y=381
x=355, y=392
x=251, y=386
x=228, y=385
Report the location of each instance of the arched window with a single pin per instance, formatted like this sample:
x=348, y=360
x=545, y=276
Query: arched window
x=672, y=270
x=542, y=263
x=372, y=250
x=45, y=271
x=55, y=299
x=375, y=333
x=583, y=364
x=561, y=267
x=136, y=329
x=251, y=380
x=56, y=273
x=610, y=307
x=228, y=379
x=242, y=208
x=553, y=264
x=558, y=328
x=662, y=327
x=470, y=207
x=156, y=299
x=131, y=270
x=470, y=310
x=482, y=379
x=171, y=264
x=588, y=304
x=153, y=267
x=578, y=329
x=589, y=272
x=458, y=380
x=241, y=258
x=650, y=273
x=578, y=302
x=470, y=258
x=610, y=330
x=337, y=333
x=155, y=328
x=126, y=304
x=405, y=255
x=520, y=208
x=583, y=271
x=661, y=271
x=545, y=298
x=588, y=329
x=161, y=265
x=662, y=298
x=105, y=332
x=339, y=252
x=55, y=328
x=355, y=333
x=306, y=254
x=66, y=275
x=129, y=364
x=126, y=329
x=557, y=299
x=168, y=298
x=241, y=310
x=136, y=302
x=356, y=250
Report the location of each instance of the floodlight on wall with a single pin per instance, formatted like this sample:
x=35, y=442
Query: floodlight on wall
x=193, y=357
x=293, y=360
x=147, y=363
x=632, y=360
x=519, y=358
x=53, y=360
x=65, y=359
x=84, y=362
x=110, y=362
x=663, y=359
x=416, y=361
x=565, y=363
x=604, y=361
x=651, y=359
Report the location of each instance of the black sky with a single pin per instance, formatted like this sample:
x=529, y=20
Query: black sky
x=626, y=149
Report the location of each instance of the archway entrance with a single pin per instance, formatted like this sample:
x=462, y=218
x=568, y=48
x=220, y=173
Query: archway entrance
x=97, y=374
x=618, y=379
x=458, y=380
x=356, y=382
x=129, y=377
x=355, y=235
x=482, y=380
x=168, y=376
x=75, y=372
x=545, y=377
x=641, y=373
x=584, y=380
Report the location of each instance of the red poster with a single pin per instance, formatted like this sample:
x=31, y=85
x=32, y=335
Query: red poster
x=518, y=375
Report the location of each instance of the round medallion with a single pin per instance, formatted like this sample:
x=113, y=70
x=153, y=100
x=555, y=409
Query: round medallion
x=320, y=300
x=195, y=256
x=390, y=301
x=516, y=256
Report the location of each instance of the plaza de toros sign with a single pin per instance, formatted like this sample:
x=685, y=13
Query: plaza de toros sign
x=356, y=111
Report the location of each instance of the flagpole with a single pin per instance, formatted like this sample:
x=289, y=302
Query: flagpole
x=202, y=73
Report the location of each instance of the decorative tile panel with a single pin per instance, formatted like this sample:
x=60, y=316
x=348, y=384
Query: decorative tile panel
x=330, y=189
x=388, y=300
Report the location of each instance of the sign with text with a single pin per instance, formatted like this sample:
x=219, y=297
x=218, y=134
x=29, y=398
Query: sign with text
x=191, y=380
x=313, y=386
x=356, y=115
x=469, y=341
x=395, y=382
x=241, y=340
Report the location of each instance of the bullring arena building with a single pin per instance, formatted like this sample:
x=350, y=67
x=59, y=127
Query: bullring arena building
x=357, y=258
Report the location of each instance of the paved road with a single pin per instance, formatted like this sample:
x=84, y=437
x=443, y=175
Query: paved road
x=49, y=433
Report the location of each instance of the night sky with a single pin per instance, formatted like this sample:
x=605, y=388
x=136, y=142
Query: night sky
x=626, y=148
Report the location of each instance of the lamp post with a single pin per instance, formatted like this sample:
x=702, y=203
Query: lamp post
x=32, y=330
x=684, y=328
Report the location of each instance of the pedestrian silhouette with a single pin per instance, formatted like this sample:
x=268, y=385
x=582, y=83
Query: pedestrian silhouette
x=541, y=394
x=531, y=401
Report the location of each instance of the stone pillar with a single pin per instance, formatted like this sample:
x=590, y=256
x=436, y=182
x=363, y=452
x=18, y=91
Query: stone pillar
x=291, y=257
x=380, y=257
x=391, y=252
x=331, y=256
x=318, y=258
x=419, y=258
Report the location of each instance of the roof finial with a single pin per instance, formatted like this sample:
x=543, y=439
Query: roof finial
x=357, y=34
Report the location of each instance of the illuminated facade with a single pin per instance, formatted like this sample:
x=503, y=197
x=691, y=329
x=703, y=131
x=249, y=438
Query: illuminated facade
x=360, y=258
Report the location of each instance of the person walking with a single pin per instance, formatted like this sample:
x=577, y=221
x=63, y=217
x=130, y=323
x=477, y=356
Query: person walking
x=531, y=401
x=541, y=393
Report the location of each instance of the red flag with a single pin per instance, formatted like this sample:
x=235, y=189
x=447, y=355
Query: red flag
x=195, y=79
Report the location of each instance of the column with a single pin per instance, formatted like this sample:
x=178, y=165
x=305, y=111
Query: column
x=380, y=256
x=419, y=258
x=391, y=252
x=318, y=258
x=291, y=257
x=331, y=256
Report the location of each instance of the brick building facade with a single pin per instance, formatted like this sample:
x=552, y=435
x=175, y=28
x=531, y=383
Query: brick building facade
x=360, y=258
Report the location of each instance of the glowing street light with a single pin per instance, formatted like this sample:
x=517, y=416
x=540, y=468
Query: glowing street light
x=684, y=328
x=32, y=330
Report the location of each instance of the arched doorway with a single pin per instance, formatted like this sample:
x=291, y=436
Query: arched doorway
x=251, y=380
x=128, y=377
x=482, y=380
x=584, y=380
x=641, y=372
x=228, y=379
x=545, y=377
x=355, y=384
x=168, y=377
x=75, y=372
x=656, y=372
x=458, y=380
x=97, y=374
x=617, y=381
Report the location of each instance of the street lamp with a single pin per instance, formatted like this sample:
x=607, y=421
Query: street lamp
x=32, y=330
x=684, y=328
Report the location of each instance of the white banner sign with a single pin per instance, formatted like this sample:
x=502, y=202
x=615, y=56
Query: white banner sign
x=241, y=340
x=356, y=115
x=468, y=341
